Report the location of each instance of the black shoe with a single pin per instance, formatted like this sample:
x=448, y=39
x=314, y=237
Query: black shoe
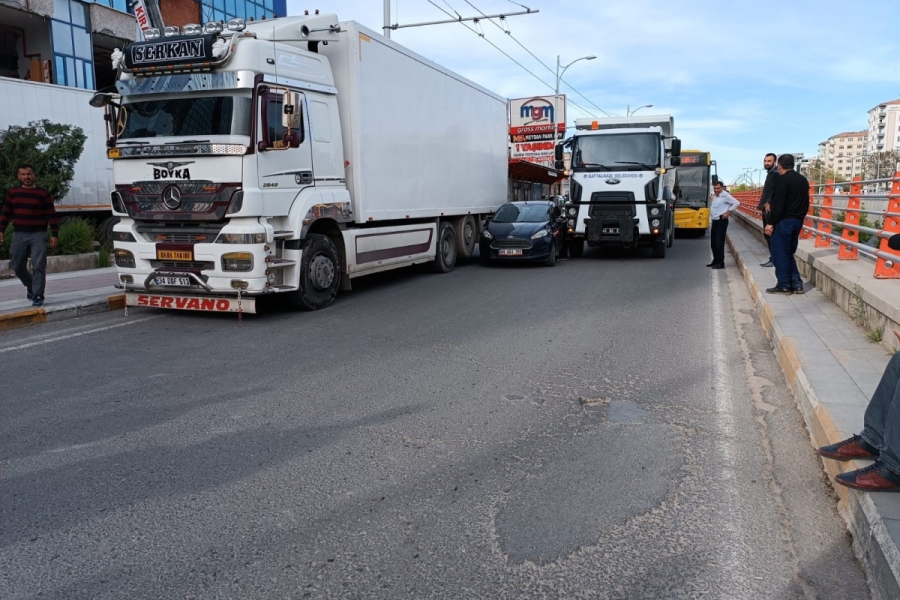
x=718, y=266
x=768, y=263
x=798, y=290
x=778, y=290
x=37, y=302
x=712, y=264
x=29, y=295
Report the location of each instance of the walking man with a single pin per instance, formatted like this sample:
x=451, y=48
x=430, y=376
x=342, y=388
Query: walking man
x=789, y=206
x=765, y=200
x=31, y=210
x=722, y=206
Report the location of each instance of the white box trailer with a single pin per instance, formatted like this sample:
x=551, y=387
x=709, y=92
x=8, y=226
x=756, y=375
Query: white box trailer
x=26, y=101
x=421, y=140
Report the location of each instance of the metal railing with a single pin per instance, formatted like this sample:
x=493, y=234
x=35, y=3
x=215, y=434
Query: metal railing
x=820, y=220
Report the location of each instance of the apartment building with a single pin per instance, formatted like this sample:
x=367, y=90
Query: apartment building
x=843, y=153
x=884, y=127
x=69, y=42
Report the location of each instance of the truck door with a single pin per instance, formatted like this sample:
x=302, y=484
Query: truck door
x=284, y=155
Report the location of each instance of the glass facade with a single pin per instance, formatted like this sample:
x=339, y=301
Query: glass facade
x=222, y=10
x=73, y=56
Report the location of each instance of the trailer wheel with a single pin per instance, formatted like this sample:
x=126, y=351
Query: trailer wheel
x=576, y=248
x=320, y=274
x=659, y=249
x=467, y=234
x=447, y=250
x=106, y=229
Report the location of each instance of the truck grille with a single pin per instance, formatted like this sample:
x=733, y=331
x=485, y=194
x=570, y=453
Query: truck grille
x=599, y=211
x=179, y=235
x=182, y=265
x=510, y=243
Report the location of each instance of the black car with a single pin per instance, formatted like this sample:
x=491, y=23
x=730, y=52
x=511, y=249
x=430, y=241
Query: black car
x=523, y=231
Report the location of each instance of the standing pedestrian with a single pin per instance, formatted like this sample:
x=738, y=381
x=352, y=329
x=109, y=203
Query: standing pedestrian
x=765, y=200
x=30, y=209
x=789, y=206
x=722, y=206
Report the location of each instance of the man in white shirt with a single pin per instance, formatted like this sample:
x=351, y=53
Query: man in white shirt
x=722, y=206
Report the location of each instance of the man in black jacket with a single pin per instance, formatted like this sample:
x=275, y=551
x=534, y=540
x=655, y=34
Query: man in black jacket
x=765, y=200
x=789, y=206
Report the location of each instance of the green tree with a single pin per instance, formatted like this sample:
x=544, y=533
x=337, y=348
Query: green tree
x=880, y=164
x=52, y=148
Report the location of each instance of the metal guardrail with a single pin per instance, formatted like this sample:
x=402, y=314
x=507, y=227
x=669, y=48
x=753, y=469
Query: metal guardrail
x=819, y=222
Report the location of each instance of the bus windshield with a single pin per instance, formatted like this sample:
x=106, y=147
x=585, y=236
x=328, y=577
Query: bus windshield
x=617, y=152
x=186, y=117
x=692, y=186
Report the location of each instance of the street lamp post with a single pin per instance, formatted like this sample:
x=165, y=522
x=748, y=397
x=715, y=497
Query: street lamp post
x=629, y=112
x=559, y=74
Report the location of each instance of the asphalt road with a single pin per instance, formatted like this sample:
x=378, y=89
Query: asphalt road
x=613, y=427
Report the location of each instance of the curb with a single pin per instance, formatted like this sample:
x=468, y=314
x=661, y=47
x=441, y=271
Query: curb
x=31, y=316
x=872, y=542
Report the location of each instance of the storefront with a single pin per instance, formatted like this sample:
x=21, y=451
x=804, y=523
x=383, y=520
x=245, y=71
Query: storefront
x=532, y=181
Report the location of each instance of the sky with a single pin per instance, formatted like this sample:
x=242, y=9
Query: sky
x=740, y=78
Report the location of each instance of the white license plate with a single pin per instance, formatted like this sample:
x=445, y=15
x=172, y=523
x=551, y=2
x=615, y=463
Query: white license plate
x=173, y=281
x=610, y=230
x=510, y=253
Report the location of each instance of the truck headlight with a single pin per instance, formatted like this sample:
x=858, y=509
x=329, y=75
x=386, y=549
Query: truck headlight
x=654, y=223
x=237, y=261
x=571, y=222
x=573, y=211
x=241, y=238
x=122, y=236
x=540, y=234
x=125, y=259
x=654, y=211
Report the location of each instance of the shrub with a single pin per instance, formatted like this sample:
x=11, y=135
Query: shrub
x=7, y=240
x=52, y=148
x=76, y=236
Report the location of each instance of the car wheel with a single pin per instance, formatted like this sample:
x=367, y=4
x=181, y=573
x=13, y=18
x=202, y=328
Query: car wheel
x=447, y=250
x=551, y=260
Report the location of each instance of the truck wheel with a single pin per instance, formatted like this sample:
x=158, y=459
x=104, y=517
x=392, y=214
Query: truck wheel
x=445, y=259
x=467, y=234
x=576, y=248
x=320, y=274
x=659, y=249
x=670, y=239
x=106, y=229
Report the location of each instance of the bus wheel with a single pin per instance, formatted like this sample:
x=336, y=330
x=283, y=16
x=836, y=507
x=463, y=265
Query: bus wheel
x=320, y=274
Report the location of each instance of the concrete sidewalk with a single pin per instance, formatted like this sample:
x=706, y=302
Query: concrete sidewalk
x=832, y=370
x=68, y=295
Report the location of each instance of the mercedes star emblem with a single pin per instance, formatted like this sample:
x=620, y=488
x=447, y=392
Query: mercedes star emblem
x=171, y=197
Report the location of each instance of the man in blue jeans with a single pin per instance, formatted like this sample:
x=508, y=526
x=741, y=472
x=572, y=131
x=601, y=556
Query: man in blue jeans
x=789, y=206
x=879, y=440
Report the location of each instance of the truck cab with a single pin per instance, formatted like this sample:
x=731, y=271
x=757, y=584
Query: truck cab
x=621, y=183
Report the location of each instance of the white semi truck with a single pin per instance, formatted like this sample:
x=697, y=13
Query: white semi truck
x=620, y=183
x=291, y=156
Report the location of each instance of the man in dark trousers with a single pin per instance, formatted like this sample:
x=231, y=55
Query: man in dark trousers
x=765, y=200
x=31, y=211
x=789, y=206
x=721, y=208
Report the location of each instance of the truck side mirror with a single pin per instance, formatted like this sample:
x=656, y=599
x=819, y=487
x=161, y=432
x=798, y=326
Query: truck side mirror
x=676, y=149
x=675, y=160
x=291, y=116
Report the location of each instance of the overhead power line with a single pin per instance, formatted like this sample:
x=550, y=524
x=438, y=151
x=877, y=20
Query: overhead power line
x=535, y=57
x=504, y=53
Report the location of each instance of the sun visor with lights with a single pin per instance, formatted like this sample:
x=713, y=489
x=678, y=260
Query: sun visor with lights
x=165, y=53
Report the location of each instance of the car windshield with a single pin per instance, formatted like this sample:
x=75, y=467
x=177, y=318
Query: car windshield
x=691, y=186
x=186, y=117
x=522, y=213
x=620, y=152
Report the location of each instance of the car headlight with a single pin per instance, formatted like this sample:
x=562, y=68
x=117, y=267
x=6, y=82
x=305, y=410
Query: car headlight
x=654, y=223
x=571, y=222
x=487, y=235
x=241, y=238
x=573, y=211
x=540, y=234
x=654, y=211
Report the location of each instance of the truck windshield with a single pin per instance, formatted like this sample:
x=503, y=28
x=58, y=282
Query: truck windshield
x=692, y=186
x=523, y=213
x=621, y=152
x=192, y=117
